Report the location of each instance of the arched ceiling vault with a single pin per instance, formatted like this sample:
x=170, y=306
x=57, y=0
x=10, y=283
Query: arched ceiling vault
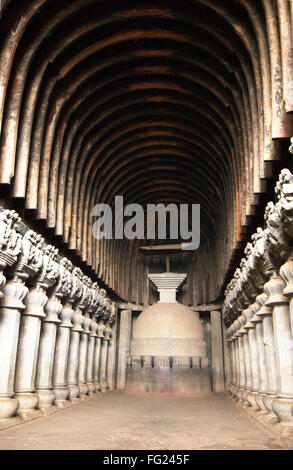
x=158, y=101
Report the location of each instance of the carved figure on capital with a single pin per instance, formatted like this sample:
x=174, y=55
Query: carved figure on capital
x=277, y=239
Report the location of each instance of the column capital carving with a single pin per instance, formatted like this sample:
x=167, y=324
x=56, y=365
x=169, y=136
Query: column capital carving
x=10, y=240
x=264, y=259
x=30, y=260
x=277, y=239
x=50, y=268
x=284, y=192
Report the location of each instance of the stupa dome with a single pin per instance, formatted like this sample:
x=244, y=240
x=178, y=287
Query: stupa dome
x=168, y=329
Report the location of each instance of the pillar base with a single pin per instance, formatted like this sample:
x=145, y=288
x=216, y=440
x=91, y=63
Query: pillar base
x=283, y=408
x=98, y=387
x=83, y=391
x=76, y=401
x=61, y=400
x=8, y=407
x=46, y=399
x=260, y=402
x=104, y=386
x=61, y=404
x=49, y=410
x=245, y=403
x=271, y=417
x=242, y=397
x=252, y=400
x=73, y=392
x=61, y=393
x=91, y=389
x=28, y=402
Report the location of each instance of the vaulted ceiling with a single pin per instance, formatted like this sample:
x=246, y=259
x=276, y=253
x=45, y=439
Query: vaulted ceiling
x=158, y=101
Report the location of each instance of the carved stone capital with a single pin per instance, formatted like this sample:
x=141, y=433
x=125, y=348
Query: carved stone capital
x=10, y=240
x=277, y=239
x=31, y=257
x=50, y=268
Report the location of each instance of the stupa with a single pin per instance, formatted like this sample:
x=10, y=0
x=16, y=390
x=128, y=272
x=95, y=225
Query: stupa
x=168, y=350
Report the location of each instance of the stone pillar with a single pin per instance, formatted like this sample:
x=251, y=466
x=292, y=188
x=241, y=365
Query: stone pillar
x=29, y=263
x=28, y=345
x=82, y=361
x=282, y=406
x=247, y=360
x=230, y=349
x=124, y=347
x=286, y=273
x=103, y=363
x=217, y=352
x=44, y=373
x=242, y=376
x=263, y=378
x=91, y=357
x=265, y=313
x=111, y=372
x=50, y=326
x=73, y=355
x=237, y=359
x=60, y=386
x=10, y=310
x=97, y=360
x=227, y=359
x=29, y=336
x=232, y=341
x=253, y=350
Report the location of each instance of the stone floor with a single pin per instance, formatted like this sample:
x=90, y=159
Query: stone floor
x=121, y=421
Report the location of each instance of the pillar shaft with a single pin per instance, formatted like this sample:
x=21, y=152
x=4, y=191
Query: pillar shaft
x=263, y=376
x=254, y=359
x=82, y=359
x=103, y=365
x=242, y=378
x=124, y=347
x=283, y=404
x=97, y=363
x=90, y=361
x=60, y=386
x=111, y=373
x=28, y=347
x=217, y=352
x=11, y=307
x=73, y=355
x=248, y=373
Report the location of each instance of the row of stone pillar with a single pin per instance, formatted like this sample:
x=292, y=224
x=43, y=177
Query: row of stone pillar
x=258, y=311
x=261, y=348
x=56, y=338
